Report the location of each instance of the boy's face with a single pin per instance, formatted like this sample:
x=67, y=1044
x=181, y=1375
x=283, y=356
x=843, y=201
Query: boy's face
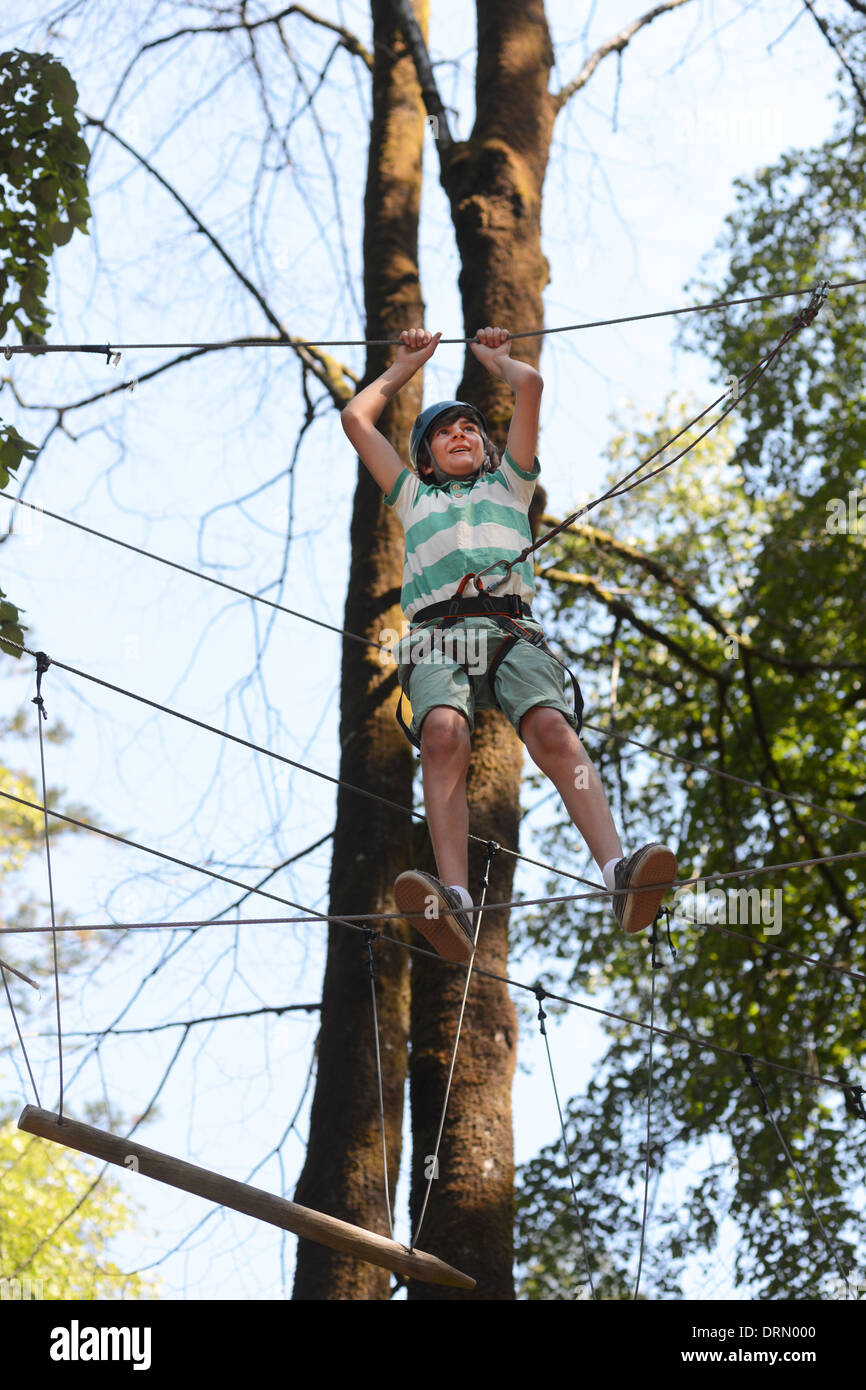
x=458, y=448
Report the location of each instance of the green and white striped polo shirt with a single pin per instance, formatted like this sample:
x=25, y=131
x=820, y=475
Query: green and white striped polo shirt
x=462, y=527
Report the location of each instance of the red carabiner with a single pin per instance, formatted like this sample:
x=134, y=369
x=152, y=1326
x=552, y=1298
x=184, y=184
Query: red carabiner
x=465, y=580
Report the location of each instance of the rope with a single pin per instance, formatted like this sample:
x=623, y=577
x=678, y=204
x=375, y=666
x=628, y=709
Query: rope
x=367, y=641
x=492, y=847
x=195, y=924
x=3, y=969
x=702, y=877
x=351, y=920
x=540, y=994
x=624, y=485
x=728, y=776
x=280, y=757
x=649, y=1096
x=42, y=664
x=186, y=569
x=354, y=925
x=110, y=352
x=382, y=800
x=831, y=1248
x=369, y=938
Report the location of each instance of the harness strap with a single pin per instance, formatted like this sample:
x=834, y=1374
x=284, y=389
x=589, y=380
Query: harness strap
x=514, y=632
x=413, y=739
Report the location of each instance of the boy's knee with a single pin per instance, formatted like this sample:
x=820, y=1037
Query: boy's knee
x=445, y=734
x=547, y=733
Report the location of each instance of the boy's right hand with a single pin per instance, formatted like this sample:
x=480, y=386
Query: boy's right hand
x=417, y=345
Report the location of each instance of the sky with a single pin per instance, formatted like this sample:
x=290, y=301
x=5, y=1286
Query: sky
x=639, y=184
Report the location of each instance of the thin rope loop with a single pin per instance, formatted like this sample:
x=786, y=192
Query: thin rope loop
x=541, y=994
x=42, y=663
x=3, y=969
x=369, y=938
x=654, y=941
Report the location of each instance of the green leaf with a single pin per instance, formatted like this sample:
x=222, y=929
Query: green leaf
x=61, y=233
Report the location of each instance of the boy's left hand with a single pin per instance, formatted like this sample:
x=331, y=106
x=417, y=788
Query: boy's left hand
x=491, y=346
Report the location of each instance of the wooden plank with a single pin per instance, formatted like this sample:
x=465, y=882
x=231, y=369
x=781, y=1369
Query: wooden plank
x=252, y=1201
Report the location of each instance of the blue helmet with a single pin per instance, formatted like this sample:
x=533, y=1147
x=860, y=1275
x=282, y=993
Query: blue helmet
x=426, y=419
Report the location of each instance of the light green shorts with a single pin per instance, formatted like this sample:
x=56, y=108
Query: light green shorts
x=526, y=678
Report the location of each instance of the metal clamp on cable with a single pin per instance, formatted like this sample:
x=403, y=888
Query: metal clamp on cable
x=43, y=661
x=816, y=303
x=753, y=1079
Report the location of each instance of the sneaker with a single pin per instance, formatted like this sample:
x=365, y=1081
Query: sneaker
x=652, y=865
x=449, y=932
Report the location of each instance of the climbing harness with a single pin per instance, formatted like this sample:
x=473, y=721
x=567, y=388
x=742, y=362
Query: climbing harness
x=504, y=610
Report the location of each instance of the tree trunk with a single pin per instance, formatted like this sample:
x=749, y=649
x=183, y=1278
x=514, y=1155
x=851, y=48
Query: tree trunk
x=494, y=184
x=343, y=1173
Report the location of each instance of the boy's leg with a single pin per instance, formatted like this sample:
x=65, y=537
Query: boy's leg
x=446, y=747
x=433, y=905
x=556, y=749
x=554, y=746
x=442, y=706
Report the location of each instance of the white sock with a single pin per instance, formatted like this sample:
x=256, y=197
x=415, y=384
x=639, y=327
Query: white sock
x=462, y=894
x=607, y=872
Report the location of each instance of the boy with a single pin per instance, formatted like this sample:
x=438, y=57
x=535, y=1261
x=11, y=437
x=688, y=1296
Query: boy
x=462, y=508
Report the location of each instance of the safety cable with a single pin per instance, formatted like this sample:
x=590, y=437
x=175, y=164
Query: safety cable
x=110, y=350
x=278, y=757
x=623, y=485
x=355, y=924
x=186, y=569
x=353, y=919
x=373, y=796
x=367, y=641
x=831, y=1245
x=595, y=893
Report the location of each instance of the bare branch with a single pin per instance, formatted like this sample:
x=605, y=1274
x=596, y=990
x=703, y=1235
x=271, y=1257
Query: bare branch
x=332, y=374
x=825, y=30
x=191, y=1022
x=616, y=44
x=405, y=16
x=624, y=610
x=346, y=39
x=606, y=542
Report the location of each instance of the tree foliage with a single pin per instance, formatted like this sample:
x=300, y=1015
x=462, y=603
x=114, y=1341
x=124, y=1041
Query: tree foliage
x=44, y=159
x=12, y=450
x=41, y=1186
x=724, y=614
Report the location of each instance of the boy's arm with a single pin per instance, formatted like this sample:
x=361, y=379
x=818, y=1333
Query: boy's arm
x=492, y=347
x=360, y=415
